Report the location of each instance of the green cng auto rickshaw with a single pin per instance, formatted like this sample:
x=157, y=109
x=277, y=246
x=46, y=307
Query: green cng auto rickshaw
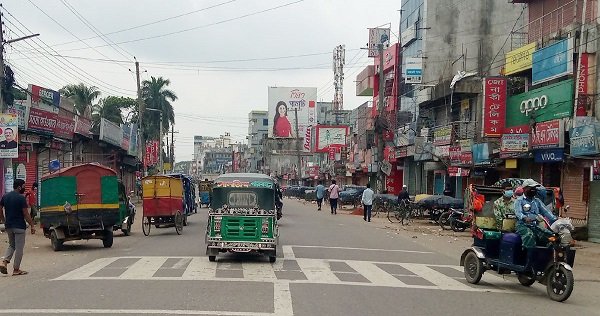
x=242, y=215
x=80, y=202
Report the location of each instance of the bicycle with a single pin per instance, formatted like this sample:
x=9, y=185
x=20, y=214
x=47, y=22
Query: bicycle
x=401, y=212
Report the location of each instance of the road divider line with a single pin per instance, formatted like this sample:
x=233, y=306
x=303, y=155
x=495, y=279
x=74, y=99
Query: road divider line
x=365, y=249
x=317, y=271
x=144, y=268
x=375, y=274
x=87, y=270
x=129, y=311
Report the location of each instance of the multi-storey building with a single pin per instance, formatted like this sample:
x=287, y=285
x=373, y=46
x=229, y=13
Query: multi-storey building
x=257, y=134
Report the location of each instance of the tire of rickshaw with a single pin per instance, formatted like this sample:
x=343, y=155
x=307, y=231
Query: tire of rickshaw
x=212, y=258
x=127, y=230
x=146, y=225
x=272, y=259
x=185, y=220
x=178, y=223
x=473, y=268
x=560, y=283
x=525, y=279
x=108, y=239
x=57, y=244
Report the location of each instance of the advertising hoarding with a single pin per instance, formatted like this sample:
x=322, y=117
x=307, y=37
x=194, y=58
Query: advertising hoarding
x=548, y=135
x=549, y=155
x=413, y=70
x=330, y=136
x=519, y=59
x=41, y=121
x=19, y=108
x=9, y=136
x=584, y=140
x=283, y=102
x=514, y=143
x=83, y=126
x=378, y=36
x=43, y=95
x=65, y=127
x=552, y=61
x=442, y=135
x=110, y=132
x=494, y=106
x=544, y=104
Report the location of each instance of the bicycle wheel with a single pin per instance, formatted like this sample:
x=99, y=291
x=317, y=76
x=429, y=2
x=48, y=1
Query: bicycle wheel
x=444, y=220
x=406, y=216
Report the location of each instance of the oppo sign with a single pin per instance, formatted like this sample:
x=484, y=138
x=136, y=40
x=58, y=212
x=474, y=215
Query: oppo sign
x=533, y=104
x=544, y=104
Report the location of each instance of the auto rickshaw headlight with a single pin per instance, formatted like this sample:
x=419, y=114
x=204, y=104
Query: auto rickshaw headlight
x=552, y=239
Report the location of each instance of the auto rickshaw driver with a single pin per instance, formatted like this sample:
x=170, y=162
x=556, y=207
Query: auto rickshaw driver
x=530, y=212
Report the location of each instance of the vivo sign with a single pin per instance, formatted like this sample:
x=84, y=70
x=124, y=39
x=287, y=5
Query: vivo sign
x=530, y=105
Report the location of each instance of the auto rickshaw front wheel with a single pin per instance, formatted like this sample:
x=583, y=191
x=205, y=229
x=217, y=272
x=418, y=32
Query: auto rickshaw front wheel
x=473, y=268
x=146, y=224
x=107, y=241
x=57, y=244
x=178, y=223
x=560, y=283
x=127, y=230
x=212, y=258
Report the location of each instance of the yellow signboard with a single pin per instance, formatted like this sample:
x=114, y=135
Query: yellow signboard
x=511, y=163
x=519, y=59
x=166, y=166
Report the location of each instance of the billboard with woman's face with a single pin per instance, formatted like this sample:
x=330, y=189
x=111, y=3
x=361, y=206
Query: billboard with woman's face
x=283, y=103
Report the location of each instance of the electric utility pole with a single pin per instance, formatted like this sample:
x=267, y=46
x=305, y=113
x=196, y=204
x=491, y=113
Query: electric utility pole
x=298, y=148
x=140, y=115
x=2, y=43
x=380, y=184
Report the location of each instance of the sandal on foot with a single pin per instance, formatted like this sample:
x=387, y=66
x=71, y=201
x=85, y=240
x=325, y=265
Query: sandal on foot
x=3, y=269
x=20, y=272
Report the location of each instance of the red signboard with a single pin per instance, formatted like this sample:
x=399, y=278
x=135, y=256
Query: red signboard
x=458, y=172
x=548, y=135
x=521, y=129
x=455, y=152
x=64, y=127
x=494, y=106
x=582, y=85
x=466, y=158
x=41, y=121
x=82, y=126
x=50, y=96
x=151, y=157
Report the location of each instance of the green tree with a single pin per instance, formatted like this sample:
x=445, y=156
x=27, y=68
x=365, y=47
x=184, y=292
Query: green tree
x=110, y=108
x=82, y=96
x=156, y=96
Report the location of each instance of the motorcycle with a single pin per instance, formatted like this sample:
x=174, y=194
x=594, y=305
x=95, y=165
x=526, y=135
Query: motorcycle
x=461, y=220
x=448, y=216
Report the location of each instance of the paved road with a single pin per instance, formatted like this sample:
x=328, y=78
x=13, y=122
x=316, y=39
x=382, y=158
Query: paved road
x=327, y=265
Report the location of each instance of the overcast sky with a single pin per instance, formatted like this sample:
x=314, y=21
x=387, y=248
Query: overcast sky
x=220, y=55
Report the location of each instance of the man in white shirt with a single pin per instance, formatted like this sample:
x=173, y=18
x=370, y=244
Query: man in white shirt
x=367, y=202
x=334, y=194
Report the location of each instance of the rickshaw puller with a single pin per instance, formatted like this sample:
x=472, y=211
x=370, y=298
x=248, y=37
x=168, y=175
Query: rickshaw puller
x=529, y=226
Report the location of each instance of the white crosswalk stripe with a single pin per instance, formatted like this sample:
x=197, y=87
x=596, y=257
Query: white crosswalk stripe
x=310, y=271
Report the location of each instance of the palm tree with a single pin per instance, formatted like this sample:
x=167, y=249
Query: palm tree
x=83, y=96
x=110, y=108
x=156, y=96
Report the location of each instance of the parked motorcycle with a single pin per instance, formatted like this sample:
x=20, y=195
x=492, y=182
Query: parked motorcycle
x=448, y=216
x=460, y=220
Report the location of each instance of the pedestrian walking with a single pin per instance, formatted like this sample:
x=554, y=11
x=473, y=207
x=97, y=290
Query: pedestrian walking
x=367, y=202
x=320, y=191
x=32, y=201
x=334, y=194
x=14, y=214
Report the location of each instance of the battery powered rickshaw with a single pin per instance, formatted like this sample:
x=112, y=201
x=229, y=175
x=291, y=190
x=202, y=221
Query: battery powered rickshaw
x=80, y=202
x=500, y=250
x=205, y=188
x=242, y=215
x=163, y=203
x=189, y=195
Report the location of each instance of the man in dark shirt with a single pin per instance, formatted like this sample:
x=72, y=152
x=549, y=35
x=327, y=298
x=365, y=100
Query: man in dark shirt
x=403, y=195
x=15, y=213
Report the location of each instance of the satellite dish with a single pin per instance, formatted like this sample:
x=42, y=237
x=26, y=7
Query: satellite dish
x=54, y=165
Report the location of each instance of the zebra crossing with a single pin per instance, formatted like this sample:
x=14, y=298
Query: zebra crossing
x=290, y=271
